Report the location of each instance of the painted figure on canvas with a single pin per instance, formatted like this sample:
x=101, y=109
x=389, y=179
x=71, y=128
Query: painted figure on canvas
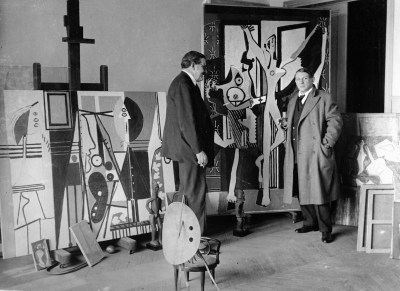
x=153, y=206
x=273, y=73
x=260, y=71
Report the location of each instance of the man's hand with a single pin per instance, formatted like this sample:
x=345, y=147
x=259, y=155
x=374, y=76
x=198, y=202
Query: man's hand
x=202, y=159
x=283, y=122
x=231, y=197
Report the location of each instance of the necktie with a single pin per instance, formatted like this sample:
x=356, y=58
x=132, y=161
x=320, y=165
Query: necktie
x=300, y=102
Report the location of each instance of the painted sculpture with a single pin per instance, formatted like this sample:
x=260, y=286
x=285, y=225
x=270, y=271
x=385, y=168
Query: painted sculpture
x=153, y=206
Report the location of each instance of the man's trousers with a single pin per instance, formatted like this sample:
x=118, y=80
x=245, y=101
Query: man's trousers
x=192, y=184
x=314, y=215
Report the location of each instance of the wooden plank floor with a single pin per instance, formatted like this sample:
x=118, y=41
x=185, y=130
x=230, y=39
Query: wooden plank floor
x=271, y=257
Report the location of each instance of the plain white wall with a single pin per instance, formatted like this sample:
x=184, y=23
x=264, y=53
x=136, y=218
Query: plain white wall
x=141, y=41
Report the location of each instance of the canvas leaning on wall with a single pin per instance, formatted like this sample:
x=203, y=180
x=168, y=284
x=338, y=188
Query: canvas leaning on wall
x=94, y=158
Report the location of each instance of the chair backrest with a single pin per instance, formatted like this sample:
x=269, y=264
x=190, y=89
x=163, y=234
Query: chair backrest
x=212, y=247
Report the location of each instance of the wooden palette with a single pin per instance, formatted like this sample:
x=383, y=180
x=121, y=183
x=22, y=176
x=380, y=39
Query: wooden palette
x=181, y=233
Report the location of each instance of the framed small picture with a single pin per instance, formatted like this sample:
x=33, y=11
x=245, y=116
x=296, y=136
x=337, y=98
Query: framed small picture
x=41, y=254
x=58, y=110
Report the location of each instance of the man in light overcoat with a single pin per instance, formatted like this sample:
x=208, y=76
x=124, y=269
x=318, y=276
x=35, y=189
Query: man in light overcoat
x=313, y=127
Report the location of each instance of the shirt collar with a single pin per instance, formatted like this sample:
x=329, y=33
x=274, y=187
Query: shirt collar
x=306, y=93
x=191, y=77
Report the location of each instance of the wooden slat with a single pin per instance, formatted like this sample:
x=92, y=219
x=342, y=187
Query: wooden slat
x=361, y=221
x=381, y=221
x=395, y=250
x=48, y=86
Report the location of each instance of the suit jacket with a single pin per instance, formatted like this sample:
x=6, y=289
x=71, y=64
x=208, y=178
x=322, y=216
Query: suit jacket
x=188, y=128
x=318, y=178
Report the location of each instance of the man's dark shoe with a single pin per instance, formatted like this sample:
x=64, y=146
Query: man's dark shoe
x=305, y=229
x=327, y=237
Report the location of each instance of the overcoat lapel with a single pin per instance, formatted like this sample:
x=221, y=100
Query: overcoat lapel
x=291, y=106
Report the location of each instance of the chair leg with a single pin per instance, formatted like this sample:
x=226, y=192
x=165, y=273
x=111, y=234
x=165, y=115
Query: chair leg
x=176, y=275
x=213, y=273
x=187, y=275
x=202, y=279
x=186, y=280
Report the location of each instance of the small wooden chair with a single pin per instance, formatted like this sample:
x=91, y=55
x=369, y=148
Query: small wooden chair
x=210, y=253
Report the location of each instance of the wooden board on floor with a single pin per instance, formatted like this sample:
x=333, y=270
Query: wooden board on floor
x=379, y=221
x=365, y=190
x=86, y=241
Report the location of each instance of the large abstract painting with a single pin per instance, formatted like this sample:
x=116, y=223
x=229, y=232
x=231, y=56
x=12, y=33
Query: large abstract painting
x=73, y=156
x=28, y=204
x=252, y=56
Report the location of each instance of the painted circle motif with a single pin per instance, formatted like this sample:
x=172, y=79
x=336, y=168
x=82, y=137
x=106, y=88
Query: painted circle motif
x=108, y=165
x=124, y=112
x=236, y=96
x=238, y=80
x=36, y=120
x=97, y=161
x=110, y=176
x=74, y=158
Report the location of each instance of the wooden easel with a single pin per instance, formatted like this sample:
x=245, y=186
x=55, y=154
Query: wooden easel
x=74, y=39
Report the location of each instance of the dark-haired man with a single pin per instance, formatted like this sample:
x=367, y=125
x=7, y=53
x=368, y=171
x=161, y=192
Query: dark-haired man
x=314, y=126
x=189, y=133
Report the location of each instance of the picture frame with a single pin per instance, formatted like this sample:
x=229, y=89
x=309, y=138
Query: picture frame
x=41, y=254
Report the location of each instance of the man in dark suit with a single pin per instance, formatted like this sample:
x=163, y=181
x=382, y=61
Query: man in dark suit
x=189, y=133
x=314, y=126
